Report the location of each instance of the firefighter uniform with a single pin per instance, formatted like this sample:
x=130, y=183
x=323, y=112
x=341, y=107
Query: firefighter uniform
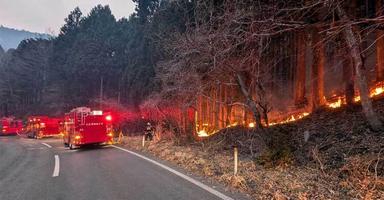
x=149, y=132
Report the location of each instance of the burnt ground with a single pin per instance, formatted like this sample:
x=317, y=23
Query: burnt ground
x=331, y=154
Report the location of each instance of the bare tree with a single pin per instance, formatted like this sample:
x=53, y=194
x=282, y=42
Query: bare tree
x=354, y=47
x=230, y=41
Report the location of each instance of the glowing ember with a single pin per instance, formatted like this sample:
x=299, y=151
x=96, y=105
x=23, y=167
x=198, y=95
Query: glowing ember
x=336, y=104
x=304, y=114
x=272, y=123
x=356, y=99
x=232, y=125
x=251, y=125
x=202, y=133
x=377, y=91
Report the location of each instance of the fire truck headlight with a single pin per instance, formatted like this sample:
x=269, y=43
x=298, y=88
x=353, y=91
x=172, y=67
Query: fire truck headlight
x=108, y=118
x=77, y=137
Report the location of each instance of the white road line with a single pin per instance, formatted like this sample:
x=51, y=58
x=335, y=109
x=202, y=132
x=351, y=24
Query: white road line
x=35, y=148
x=185, y=177
x=56, y=170
x=49, y=146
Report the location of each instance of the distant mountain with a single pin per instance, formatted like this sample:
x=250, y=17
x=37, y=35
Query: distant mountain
x=1, y=51
x=10, y=38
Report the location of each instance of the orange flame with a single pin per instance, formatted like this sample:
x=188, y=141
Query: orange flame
x=341, y=100
x=356, y=98
x=377, y=91
x=336, y=104
x=291, y=118
x=202, y=133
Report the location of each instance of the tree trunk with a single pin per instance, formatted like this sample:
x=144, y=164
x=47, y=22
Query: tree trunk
x=227, y=107
x=217, y=106
x=380, y=56
x=208, y=103
x=317, y=71
x=229, y=115
x=184, y=120
x=221, y=107
x=348, y=78
x=379, y=45
x=250, y=102
x=200, y=113
x=300, y=70
x=361, y=81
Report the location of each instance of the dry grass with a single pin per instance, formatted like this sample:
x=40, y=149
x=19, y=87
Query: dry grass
x=342, y=158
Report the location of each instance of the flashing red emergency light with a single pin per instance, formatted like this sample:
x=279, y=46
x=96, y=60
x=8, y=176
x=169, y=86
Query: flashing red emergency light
x=108, y=118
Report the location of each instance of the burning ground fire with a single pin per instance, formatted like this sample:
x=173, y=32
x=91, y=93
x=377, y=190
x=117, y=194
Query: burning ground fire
x=292, y=118
x=378, y=90
x=203, y=133
x=341, y=100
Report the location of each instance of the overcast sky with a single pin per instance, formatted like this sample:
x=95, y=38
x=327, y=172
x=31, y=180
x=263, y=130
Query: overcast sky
x=44, y=16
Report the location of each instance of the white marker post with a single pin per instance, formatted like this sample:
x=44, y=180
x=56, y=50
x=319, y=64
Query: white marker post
x=143, y=142
x=235, y=160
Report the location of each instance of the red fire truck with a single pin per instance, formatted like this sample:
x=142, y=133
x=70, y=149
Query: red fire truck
x=83, y=126
x=10, y=126
x=42, y=126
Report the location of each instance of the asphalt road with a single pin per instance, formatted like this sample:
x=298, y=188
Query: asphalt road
x=44, y=169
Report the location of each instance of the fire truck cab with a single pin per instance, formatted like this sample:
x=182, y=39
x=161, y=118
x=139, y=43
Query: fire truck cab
x=10, y=126
x=42, y=126
x=83, y=126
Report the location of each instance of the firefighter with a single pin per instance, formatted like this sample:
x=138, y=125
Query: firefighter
x=149, y=131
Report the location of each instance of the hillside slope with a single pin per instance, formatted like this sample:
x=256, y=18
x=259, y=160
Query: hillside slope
x=331, y=154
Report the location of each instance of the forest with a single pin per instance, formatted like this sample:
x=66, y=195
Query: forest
x=204, y=65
